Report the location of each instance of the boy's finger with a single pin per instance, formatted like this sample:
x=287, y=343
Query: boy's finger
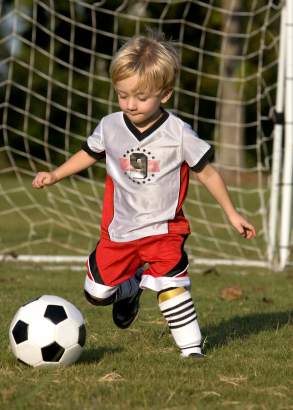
x=248, y=232
x=38, y=182
x=252, y=231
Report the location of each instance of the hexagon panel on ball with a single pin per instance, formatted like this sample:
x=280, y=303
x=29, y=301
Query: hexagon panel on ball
x=67, y=333
x=42, y=332
x=74, y=314
x=32, y=311
x=71, y=355
x=29, y=353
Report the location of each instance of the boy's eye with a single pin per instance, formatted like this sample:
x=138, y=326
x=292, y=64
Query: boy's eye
x=142, y=99
x=122, y=97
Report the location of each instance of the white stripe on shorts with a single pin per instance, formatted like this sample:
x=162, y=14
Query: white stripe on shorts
x=97, y=290
x=164, y=282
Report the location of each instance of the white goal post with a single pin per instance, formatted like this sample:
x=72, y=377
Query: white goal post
x=235, y=83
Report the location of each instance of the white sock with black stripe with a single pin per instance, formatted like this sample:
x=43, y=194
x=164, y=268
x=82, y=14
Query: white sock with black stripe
x=178, y=309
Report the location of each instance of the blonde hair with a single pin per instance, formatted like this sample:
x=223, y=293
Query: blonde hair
x=151, y=57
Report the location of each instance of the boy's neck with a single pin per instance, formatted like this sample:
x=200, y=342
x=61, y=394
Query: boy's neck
x=147, y=124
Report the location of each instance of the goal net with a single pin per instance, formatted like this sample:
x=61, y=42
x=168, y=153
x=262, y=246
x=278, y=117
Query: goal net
x=55, y=88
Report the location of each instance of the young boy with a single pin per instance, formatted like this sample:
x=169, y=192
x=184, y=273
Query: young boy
x=148, y=153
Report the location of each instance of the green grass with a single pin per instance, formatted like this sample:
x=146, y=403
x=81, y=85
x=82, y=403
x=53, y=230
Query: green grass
x=248, y=344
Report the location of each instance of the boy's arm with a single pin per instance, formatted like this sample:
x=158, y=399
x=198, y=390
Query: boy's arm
x=78, y=162
x=214, y=183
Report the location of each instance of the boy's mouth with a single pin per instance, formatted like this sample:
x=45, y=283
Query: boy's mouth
x=132, y=114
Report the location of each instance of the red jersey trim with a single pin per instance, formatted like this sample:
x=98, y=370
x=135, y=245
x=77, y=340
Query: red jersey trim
x=108, y=207
x=180, y=224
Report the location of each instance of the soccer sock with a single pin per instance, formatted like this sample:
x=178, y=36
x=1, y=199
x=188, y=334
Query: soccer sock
x=178, y=309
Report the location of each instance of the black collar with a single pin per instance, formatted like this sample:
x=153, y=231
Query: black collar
x=142, y=135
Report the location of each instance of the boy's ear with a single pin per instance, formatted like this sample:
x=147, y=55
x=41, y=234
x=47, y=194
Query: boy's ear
x=166, y=95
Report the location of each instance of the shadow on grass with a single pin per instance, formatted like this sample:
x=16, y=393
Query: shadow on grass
x=243, y=327
x=96, y=355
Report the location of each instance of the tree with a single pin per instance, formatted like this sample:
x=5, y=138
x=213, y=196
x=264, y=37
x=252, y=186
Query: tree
x=232, y=113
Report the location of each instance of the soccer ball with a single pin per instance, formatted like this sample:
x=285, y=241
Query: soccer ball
x=47, y=332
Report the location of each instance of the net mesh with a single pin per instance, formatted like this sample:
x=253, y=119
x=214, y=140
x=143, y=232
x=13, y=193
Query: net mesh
x=55, y=88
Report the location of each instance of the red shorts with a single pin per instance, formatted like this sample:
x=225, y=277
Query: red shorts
x=111, y=263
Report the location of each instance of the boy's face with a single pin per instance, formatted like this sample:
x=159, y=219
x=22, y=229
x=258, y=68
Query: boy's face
x=141, y=107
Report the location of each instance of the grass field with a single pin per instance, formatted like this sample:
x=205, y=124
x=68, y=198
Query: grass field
x=248, y=343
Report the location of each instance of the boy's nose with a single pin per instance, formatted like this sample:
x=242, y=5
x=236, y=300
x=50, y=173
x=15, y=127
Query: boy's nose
x=131, y=104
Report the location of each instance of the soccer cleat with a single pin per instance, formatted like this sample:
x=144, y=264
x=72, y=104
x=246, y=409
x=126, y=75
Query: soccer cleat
x=197, y=355
x=126, y=311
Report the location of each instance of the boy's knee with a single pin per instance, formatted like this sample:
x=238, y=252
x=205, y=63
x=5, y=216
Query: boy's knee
x=99, y=301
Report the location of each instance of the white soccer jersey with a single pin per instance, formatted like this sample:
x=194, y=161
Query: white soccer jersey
x=147, y=174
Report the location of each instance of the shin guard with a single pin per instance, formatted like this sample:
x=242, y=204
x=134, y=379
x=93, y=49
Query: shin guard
x=178, y=309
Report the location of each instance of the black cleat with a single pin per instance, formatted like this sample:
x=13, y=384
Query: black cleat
x=126, y=311
x=197, y=355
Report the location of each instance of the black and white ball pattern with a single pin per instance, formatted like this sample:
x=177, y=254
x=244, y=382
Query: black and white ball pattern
x=46, y=332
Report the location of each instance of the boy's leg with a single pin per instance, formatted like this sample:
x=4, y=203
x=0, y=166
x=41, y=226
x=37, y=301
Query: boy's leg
x=177, y=307
x=126, y=309
x=167, y=274
x=102, y=285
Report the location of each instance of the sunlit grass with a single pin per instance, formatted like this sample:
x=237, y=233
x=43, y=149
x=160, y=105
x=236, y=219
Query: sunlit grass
x=248, y=343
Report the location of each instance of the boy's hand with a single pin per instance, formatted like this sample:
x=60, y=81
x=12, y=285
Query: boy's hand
x=44, y=178
x=242, y=225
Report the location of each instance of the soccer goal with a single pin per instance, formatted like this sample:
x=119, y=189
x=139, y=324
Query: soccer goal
x=55, y=88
